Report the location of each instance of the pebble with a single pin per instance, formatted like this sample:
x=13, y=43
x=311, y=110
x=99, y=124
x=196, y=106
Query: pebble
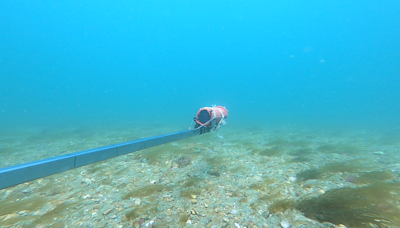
x=10, y=216
x=107, y=211
x=193, y=212
x=285, y=223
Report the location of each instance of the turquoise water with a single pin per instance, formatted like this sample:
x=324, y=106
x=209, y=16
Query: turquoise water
x=310, y=87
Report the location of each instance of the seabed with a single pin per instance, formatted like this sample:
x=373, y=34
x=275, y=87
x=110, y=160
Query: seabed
x=252, y=178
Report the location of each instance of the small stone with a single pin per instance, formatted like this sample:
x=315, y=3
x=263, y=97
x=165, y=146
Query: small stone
x=183, y=161
x=292, y=179
x=194, y=200
x=107, y=212
x=285, y=224
x=193, y=212
x=265, y=214
x=379, y=153
x=193, y=196
x=22, y=212
x=214, y=172
x=135, y=224
x=10, y=216
x=216, y=210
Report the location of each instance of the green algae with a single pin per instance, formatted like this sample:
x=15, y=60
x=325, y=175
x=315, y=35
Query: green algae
x=56, y=213
x=374, y=176
x=239, y=169
x=281, y=205
x=219, y=161
x=340, y=148
x=6, y=150
x=309, y=174
x=145, y=191
x=107, y=181
x=339, y=167
x=278, y=142
x=14, y=221
x=188, y=193
x=13, y=205
x=191, y=181
x=262, y=186
x=96, y=169
x=141, y=211
x=161, y=153
x=301, y=152
x=183, y=218
x=270, y=151
x=119, y=172
x=300, y=143
x=356, y=207
x=299, y=159
x=300, y=155
x=265, y=199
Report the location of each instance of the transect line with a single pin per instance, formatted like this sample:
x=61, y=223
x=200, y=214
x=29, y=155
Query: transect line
x=13, y=175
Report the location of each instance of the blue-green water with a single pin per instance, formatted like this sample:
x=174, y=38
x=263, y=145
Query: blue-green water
x=323, y=63
x=312, y=90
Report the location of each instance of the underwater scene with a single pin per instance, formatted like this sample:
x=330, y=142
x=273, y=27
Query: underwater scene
x=311, y=91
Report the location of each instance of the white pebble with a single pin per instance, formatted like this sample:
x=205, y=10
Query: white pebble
x=285, y=223
x=237, y=225
x=293, y=179
x=379, y=153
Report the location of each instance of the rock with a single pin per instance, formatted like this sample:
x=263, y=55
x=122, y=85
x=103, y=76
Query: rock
x=107, y=211
x=183, y=161
x=214, y=172
x=285, y=224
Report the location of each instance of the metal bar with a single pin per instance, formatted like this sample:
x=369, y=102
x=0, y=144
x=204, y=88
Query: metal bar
x=13, y=175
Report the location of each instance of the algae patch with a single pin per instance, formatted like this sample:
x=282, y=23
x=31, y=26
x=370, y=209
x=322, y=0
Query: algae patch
x=145, y=191
x=371, y=206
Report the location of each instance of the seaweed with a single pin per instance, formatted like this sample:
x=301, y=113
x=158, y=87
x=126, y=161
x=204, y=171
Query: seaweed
x=281, y=205
x=309, y=174
x=355, y=207
x=145, y=191
x=270, y=151
x=56, y=213
x=373, y=177
x=141, y=211
x=12, y=205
